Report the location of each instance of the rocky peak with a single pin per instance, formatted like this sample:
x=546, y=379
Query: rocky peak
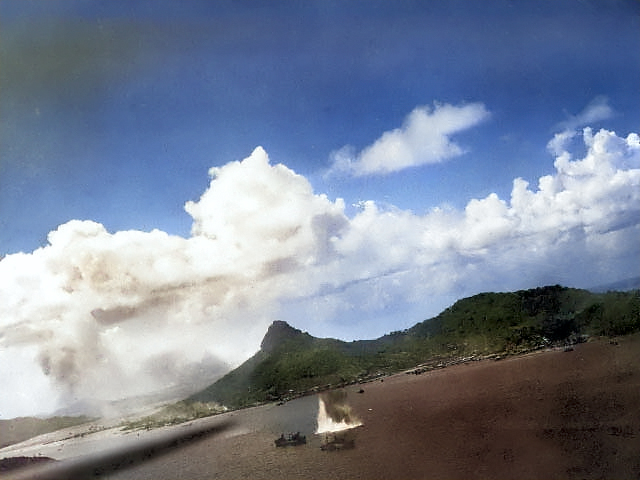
x=277, y=333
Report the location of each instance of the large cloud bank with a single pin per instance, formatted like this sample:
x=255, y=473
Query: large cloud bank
x=106, y=315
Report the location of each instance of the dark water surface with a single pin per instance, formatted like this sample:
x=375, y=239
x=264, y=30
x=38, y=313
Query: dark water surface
x=299, y=415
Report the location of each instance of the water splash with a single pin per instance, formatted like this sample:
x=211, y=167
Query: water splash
x=334, y=414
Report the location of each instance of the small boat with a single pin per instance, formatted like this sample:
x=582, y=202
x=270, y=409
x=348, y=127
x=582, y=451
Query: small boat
x=290, y=440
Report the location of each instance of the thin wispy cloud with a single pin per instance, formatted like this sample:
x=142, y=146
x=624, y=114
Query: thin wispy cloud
x=424, y=138
x=597, y=111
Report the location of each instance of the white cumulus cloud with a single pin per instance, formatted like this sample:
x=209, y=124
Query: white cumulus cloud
x=99, y=306
x=424, y=138
x=104, y=315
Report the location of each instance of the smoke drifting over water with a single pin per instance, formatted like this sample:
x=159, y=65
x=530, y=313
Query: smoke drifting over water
x=96, y=314
x=334, y=414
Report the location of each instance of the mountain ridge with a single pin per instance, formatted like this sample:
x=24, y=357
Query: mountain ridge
x=291, y=362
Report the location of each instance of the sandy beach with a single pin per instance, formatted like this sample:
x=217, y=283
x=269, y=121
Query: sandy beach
x=549, y=414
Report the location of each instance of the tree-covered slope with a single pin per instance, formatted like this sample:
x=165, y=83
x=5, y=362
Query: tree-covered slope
x=290, y=361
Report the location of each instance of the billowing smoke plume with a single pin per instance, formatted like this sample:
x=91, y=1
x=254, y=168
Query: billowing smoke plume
x=102, y=308
x=108, y=315
x=334, y=413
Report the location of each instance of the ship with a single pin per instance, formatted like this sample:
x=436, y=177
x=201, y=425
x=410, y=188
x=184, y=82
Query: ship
x=290, y=440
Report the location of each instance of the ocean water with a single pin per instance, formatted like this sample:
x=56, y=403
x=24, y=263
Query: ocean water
x=307, y=415
x=299, y=415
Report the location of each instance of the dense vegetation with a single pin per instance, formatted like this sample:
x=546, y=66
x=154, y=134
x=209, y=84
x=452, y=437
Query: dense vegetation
x=291, y=362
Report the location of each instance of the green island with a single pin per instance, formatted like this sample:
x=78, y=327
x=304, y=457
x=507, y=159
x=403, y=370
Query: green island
x=292, y=363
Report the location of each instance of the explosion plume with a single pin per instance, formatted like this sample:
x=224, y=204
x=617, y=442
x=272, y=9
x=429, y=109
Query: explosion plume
x=334, y=414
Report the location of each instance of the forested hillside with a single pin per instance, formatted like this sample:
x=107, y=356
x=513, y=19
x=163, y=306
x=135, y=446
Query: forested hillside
x=291, y=362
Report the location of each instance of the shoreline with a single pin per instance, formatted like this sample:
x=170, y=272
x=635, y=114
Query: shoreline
x=545, y=414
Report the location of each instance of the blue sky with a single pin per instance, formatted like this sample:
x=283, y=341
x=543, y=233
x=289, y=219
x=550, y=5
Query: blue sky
x=396, y=139
x=114, y=111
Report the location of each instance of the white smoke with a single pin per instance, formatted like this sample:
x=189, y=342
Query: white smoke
x=101, y=308
x=99, y=313
x=334, y=413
